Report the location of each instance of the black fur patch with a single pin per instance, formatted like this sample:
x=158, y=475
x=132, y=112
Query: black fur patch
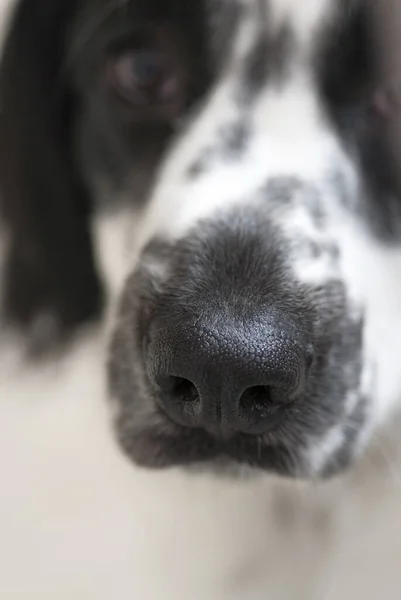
x=230, y=144
x=268, y=61
x=349, y=79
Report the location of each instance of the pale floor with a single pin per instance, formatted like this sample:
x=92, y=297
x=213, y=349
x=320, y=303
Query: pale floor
x=78, y=522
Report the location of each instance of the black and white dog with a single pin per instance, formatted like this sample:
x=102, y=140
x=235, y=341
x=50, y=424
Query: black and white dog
x=204, y=182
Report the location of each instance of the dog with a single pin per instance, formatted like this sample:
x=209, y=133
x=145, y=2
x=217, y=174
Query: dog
x=201, y=190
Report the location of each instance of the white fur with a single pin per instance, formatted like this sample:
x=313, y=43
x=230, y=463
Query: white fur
x=289, y=138
x=289, y=135
x=372, y=276
x=304, y=16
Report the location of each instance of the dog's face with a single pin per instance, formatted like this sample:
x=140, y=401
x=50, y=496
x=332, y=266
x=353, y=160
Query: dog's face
x=249, y=326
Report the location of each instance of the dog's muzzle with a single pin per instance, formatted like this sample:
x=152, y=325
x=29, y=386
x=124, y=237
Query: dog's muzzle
x=223, y=352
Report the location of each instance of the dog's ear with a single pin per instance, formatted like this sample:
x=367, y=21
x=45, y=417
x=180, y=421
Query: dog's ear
x=49, y=265
x=384, y=28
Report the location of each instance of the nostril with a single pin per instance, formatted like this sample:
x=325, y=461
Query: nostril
x=179, y=389
x=255, y=398
x=260, y=409
x=180, y=400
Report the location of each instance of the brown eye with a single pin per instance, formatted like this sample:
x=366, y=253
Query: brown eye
x=149, y=78
x=140, y=76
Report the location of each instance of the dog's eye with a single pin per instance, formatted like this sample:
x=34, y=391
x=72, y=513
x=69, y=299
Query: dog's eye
x=149, y=78
x=141, y=77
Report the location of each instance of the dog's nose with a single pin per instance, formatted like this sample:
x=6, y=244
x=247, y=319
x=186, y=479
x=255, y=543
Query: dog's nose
x=228, y=379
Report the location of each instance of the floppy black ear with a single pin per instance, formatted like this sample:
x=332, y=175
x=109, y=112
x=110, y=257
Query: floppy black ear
x=379, y=140
x=385, y=29
x=46, y=208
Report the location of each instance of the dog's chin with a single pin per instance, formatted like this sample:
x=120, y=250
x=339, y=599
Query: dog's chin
x=172, y=446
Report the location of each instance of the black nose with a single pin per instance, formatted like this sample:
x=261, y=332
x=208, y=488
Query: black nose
x=228, y=379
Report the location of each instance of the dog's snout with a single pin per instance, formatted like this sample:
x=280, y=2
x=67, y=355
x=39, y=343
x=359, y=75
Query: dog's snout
x=228, y=379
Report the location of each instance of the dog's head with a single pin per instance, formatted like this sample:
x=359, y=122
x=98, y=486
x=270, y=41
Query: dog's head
x=258, y=323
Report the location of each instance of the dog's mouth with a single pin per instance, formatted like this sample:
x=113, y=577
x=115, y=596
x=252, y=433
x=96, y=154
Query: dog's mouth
x=172, y=445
